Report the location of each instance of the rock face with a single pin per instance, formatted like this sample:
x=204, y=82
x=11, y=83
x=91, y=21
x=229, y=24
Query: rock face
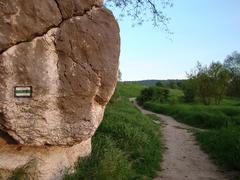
x=67, y=51
x=22, y=20
x=40, y=163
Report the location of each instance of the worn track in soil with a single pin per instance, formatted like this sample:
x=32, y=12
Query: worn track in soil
x=183, y=159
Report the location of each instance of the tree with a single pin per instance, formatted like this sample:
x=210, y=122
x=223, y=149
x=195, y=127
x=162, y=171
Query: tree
x=159, y=84
x=146, y=94
x=172, y=84
x=220, y=80
x=211, y=82
x=143, y=10
x=153, y=94
x=204, y=86
x=232, y=63
x=190, y=90
x=180, y=84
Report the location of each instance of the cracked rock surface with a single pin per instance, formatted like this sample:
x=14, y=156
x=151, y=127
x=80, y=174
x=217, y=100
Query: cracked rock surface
x=68, y=51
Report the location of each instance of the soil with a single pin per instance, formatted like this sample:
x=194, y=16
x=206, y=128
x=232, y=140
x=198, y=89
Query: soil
x=183, y=159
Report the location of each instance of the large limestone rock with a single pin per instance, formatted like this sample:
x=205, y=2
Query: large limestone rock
x=40, y=163
x=68, y=51
x=22, y=20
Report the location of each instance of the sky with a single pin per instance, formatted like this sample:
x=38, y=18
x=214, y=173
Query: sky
x=203, y=30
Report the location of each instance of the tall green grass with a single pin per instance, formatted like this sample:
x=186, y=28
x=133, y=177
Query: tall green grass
x=199, y=115
x=129, y=89
x=221, y=139
x=222, y=145
x=127, y=144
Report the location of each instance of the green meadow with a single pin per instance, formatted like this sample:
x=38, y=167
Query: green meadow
x=221, y=123
x=127, y=145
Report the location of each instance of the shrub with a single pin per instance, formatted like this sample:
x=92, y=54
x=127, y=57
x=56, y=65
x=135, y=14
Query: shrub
x=147, y=94
x=153, y=93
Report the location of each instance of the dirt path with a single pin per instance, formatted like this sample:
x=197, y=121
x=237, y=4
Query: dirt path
x=183, y=159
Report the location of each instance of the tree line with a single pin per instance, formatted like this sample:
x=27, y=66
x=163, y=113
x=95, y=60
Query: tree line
x=213, y=82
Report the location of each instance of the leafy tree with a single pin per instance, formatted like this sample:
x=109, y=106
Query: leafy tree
x=172, y=84
x=153, y=93
x=146, y=94
x=203, y=83
x=232, y=63
x=220, y=80
x=161, y=94
x=211, y=82
x=143, y=10
x=190, y=90
x=180, y=84
x=159, y=84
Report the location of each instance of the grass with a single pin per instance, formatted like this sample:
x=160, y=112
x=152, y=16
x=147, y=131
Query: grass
x=221, y=137
x=199, y=115
x=223, y=146
x=127, y=144
x=130, y=89
x=176, y=93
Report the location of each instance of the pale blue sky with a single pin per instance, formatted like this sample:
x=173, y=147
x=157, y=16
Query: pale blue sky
x=204, y=30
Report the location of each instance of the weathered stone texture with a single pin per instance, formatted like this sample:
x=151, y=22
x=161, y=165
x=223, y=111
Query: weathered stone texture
x=40, y=163
x=72, y=66
x=70, y=8
x=21, y=20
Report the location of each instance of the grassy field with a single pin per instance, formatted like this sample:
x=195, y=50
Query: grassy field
x=127, y=144
x=223, y=146
x=221, y=138
x=199, y=115
x=129, y=89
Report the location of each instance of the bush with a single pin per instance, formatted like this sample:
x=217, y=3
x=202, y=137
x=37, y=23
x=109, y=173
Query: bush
x=147, y=94
x=222, y=145
x=153, y=93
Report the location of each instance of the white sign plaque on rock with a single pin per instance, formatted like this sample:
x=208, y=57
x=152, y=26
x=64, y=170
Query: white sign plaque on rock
x=23, y=91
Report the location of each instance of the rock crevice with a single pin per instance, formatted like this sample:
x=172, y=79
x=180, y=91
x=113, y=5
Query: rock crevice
x=71, y=62
x=45, y=31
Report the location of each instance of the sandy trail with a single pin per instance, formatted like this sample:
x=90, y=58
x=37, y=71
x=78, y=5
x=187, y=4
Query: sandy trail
x=183, y=158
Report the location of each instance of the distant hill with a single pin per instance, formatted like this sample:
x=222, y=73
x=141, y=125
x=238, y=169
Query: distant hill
x=165, y=83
